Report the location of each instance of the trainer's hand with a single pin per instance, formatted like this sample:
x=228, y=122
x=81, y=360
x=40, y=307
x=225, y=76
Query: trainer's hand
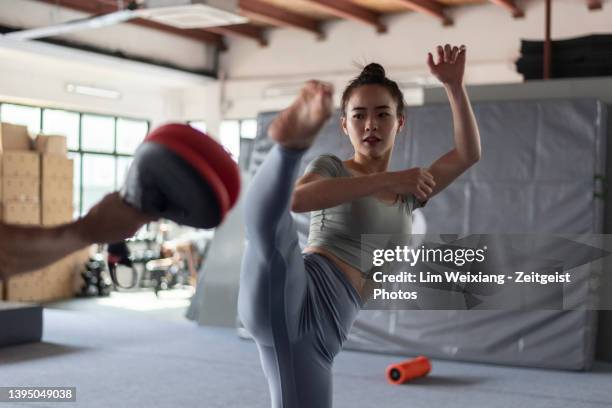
x=111, y=220
x=417, y=181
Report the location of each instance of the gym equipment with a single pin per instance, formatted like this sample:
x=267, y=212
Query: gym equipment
x=119, y=255
x=408, y=370
x=95, y=283
x=182, y=175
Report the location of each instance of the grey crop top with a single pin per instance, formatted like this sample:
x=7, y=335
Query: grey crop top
x=339, y=229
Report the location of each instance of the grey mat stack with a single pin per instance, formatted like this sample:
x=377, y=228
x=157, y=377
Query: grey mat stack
x=20, y=323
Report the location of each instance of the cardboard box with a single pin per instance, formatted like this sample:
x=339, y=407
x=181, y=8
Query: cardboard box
x=20, y=189
x=24, y=287
x=55, y=189
x=51, y=144
x=20, y=164
x=63, y=279
x=14, y=137
x=56, y=167
x=56, y=179
x=56, y=213
x=21, y=213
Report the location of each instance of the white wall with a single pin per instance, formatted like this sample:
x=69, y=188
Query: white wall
x=490, y=33
x=36, y=73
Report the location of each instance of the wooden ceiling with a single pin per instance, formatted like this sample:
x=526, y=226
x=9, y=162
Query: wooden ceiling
x=307, y=15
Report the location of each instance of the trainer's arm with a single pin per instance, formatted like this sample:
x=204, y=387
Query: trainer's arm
x=24, y=248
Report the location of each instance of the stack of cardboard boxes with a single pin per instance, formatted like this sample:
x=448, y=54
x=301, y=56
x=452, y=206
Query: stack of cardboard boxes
x=20, y=175
x=37, y=189
x=55, y=181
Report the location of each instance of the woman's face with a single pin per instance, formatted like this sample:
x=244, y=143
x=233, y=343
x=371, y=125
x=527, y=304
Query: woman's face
x=371, y=120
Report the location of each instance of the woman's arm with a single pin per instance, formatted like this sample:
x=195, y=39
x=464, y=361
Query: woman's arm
x=315, y=192
x=450, y=70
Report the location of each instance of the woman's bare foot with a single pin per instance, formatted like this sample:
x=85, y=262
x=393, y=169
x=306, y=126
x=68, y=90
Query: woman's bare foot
x=297, y=126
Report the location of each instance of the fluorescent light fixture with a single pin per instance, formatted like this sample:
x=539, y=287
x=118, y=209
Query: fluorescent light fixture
x=93, y=91
x=280, y=90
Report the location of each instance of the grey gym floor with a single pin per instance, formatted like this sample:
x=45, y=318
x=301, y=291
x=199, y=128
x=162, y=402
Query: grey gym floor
x=125, y=358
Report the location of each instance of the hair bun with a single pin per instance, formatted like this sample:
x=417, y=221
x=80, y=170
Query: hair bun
x=373, y=70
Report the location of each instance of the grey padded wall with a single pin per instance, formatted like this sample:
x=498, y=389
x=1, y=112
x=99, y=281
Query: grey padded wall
x=599, y=88
x=536, y=175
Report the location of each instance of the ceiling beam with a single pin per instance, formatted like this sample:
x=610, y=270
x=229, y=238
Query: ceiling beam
x=430, y=7
x=351, y=11
x=92, y=7
x=511, y=6
x=194, y=34
x=594, y=4
x=241, y=30
x=258, y=10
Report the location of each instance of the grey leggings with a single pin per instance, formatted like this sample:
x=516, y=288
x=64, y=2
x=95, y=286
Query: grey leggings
x=299, y=308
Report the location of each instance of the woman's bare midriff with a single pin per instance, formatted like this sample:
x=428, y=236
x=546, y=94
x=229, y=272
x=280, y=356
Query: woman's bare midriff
x=354, y=276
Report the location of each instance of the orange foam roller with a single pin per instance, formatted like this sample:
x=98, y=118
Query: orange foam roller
x=407, y=370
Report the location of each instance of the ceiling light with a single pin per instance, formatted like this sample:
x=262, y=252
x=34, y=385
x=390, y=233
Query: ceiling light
x=93, y=91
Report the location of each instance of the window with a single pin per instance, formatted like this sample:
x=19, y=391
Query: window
x=98, y=178
x=21, y=115
x=248, y=128
x=123, y=164
x=107, y=146
x=130, y=133
x=229, y=136
x=98, y=133
x=238, y=137
x=198, y=124
x=59, y=122
x=101, y=146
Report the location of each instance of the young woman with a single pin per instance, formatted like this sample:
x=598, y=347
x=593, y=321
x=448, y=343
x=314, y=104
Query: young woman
x=300, y=307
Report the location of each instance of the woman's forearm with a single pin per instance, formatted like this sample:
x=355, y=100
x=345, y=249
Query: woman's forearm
x=331, y=192
x=466, y=135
